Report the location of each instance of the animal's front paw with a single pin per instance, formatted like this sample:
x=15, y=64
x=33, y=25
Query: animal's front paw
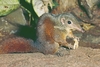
x=76, y=40
x=62, y=52
x=70, y=46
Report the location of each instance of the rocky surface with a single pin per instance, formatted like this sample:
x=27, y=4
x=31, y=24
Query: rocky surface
x=10, y=22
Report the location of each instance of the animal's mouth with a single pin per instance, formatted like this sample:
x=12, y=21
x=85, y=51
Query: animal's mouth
x=81, y=30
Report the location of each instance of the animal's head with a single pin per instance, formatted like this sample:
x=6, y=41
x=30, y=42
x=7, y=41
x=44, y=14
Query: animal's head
x=70, y=22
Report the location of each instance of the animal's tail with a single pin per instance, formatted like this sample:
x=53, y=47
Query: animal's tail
x=17, y=45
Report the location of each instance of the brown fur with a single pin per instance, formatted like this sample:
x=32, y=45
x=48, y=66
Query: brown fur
x=49, y=30
x=16, y=44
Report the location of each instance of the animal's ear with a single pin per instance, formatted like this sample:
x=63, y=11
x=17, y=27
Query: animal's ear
x=62, y=20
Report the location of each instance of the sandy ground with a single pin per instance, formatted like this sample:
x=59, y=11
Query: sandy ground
x=81, y=57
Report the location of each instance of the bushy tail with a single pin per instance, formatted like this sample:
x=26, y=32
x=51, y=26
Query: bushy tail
x=17, y=45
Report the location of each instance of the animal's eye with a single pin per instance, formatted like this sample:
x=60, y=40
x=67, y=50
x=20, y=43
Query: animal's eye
x=69, y=22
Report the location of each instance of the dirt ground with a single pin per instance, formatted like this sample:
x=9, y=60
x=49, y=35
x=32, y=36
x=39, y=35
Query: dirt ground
x=81, y=57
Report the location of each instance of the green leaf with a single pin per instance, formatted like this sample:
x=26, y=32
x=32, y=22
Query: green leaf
x=7, y=6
